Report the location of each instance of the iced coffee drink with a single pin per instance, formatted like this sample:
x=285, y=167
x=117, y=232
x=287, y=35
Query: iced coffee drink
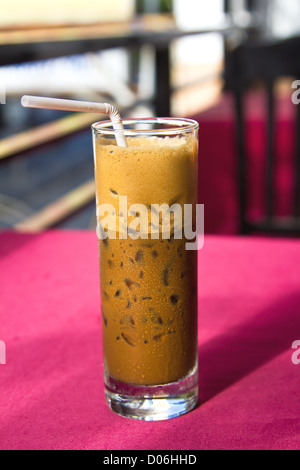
x=148, y=283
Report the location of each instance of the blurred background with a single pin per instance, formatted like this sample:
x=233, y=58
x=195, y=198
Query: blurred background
x=152, y=57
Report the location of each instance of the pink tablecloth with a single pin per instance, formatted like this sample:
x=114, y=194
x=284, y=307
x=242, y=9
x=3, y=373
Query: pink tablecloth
x=51, y=385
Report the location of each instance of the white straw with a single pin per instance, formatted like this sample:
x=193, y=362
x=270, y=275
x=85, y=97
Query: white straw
x=82, y=106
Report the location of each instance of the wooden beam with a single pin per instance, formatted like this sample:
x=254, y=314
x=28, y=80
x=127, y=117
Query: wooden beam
x=45, y=133
x=59, y=210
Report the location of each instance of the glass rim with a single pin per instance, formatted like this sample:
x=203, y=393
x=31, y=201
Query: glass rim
x=177, y=124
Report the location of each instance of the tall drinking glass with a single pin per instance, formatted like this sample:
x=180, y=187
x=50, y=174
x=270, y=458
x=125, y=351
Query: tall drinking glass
x=148, y=277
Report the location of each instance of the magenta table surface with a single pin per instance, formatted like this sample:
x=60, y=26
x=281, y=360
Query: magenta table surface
x=51, y=385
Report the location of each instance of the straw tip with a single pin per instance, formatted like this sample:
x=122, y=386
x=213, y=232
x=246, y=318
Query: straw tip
x=25, y=100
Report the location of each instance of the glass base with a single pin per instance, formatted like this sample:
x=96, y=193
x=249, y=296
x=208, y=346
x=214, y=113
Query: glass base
x=152, y=403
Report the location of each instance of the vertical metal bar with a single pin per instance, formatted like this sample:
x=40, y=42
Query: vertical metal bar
x=297, y=165
x=163, y=86
x=270, y=150
x=226, y=6
x=241, y=158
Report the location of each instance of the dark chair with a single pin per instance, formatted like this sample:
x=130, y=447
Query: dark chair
x=265, y=61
